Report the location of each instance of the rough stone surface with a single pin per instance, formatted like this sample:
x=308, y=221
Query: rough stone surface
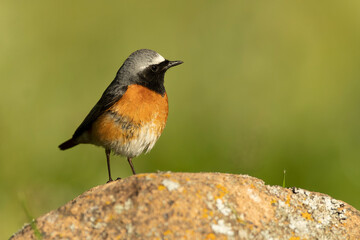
x=197, y=206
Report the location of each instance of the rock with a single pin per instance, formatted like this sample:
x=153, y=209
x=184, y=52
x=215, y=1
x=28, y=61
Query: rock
x=197, y=206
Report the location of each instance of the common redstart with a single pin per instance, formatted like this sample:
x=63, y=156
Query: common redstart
x=132, y=112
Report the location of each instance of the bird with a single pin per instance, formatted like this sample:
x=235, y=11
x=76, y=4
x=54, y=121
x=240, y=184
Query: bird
x=131, y=113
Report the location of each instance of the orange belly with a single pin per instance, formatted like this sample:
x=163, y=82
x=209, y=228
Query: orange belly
x=133, y=124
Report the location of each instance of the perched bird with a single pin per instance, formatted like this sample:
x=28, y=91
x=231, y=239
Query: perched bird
x=132, y=112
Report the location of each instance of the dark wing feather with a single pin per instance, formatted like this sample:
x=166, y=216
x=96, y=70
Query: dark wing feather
x=111, y=95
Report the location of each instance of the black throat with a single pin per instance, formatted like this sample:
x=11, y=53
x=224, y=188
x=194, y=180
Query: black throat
x=157, y=87
x=154, y=82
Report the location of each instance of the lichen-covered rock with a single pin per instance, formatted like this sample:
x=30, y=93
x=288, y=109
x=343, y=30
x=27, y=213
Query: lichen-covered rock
x=197, y=206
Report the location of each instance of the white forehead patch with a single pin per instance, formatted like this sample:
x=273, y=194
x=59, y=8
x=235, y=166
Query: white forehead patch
x=156, y=60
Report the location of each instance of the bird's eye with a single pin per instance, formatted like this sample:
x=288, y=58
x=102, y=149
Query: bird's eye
x=154, y=68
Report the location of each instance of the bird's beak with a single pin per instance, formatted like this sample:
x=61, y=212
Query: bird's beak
x=173, y=64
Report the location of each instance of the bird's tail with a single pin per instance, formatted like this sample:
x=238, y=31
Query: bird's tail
x=68, y=144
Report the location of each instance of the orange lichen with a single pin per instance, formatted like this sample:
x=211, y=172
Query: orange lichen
x=307, y=216
x=222, y=191
x=144, y=175
x=198, y=194
x=167, y=232
x=294, y=238
x=161, y=187
x=211, y=236
x=150, y=175
x=288, y=200
x=207, y=213
x=189, y=232
x=109, y=218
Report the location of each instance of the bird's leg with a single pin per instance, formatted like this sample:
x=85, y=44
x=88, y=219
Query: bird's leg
x=131, y=165
x=107, y=152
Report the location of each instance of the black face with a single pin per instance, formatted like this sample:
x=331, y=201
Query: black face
x=152, y=77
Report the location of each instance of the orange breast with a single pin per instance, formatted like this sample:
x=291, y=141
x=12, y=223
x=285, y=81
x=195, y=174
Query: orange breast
x=125, y=120
x=141, y=104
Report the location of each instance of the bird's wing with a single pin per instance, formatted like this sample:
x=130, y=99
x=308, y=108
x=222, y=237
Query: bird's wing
x=111, y=95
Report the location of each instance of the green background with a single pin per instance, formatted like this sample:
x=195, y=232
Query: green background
x=266, y=86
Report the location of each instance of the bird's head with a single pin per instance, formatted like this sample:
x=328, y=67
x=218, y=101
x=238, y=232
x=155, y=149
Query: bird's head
x=145, y=67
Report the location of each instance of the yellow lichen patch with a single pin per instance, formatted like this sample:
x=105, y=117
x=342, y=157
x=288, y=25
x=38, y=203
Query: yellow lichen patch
x=167, y=175
x=207, y=213
x=294, y=238
x=241, y=221
x=307, y=216
x=109, y=217
x=252, y=186
x=161, y=187
x=107, y=202
x=222, y=191
x=151, y=175
x=98, y=220
x=167, y=232
x=198, y=194
x=273, y=201
x=210, y=236
x=222, y=188
x=141, y=175
x=189, y=232
x=288, y=200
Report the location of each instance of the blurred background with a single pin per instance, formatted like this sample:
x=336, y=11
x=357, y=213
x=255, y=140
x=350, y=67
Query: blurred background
x=266, y=86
